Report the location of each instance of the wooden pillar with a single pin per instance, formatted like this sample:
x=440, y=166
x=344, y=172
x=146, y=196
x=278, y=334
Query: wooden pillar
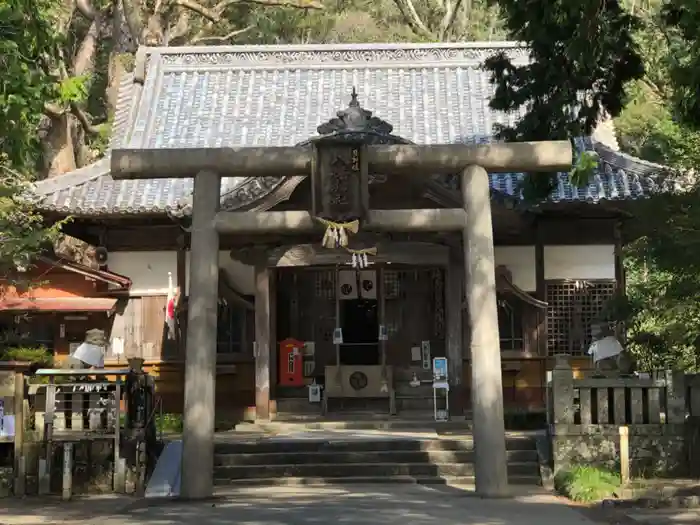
x=454, y=288
x=541, y=294
x=274, y=374
x=20, y=421
x=619, y=259
x=480, y=290
x=200, y=359
x=263, y=340
x=620, y=278
x=181, y=280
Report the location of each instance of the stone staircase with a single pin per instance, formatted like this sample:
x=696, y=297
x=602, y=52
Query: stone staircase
x=364, y=458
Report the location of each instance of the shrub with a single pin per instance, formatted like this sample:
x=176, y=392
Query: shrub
x=587, y=484
x=28, y=354
x=169, y=423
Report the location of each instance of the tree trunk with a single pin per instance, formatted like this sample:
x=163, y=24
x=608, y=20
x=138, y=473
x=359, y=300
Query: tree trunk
x=58, y=146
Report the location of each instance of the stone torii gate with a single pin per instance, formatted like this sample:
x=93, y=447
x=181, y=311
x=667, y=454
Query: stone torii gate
x=339, y=162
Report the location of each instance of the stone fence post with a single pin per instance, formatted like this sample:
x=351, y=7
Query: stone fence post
x=562, y=391
x=675, y=397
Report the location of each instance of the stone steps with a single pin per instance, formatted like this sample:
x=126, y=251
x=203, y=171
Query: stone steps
x=372, y=470
x=321, y=458
x=421, y=421
x=363, y=444
x=527, y=481
x=355, y=457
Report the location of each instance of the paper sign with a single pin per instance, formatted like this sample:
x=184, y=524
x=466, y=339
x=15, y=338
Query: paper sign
x=383, y=335
x=7, y=426
x=425, y=354
x=415, y=353
x=338, y=336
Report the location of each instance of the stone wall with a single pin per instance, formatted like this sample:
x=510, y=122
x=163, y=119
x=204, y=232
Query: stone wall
x=587, y=416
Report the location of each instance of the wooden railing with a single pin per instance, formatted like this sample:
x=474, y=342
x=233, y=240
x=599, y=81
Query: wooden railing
x=91, y=409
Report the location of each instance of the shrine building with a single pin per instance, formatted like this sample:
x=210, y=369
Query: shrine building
x=376, y=152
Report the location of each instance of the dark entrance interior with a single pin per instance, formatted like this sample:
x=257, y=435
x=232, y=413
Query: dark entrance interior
x=360, y=324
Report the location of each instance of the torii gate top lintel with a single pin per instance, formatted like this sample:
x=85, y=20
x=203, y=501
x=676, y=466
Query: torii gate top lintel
x=546, y=156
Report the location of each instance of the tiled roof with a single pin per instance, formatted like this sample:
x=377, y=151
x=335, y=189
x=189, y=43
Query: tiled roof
x=277, y=96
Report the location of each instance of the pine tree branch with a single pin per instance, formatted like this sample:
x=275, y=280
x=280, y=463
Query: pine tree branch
x=221, y=39
x=84, y=120
x=451, y=10
x=215, y=14
x=134, y=20
x=410, y=15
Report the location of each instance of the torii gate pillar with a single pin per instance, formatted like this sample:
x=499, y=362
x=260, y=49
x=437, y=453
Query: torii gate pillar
x=484, y=347
x=197, y=476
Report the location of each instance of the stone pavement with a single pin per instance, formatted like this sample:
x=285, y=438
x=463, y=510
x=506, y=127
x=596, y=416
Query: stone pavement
x=378, y=504
x=664, y=516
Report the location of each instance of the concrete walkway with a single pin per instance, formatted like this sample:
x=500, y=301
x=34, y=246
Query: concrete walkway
x=330, y=505
x=665, y=516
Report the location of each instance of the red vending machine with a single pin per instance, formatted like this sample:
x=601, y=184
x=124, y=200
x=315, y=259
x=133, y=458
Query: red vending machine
x=291, y=363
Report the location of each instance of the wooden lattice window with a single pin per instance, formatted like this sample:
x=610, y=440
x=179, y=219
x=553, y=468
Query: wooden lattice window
x=510, y=323
x=325, y=284
x=410, y=308
x=230, y=328
x=572, y=307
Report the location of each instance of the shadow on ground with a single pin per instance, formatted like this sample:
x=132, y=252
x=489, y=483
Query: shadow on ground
x=356, y=505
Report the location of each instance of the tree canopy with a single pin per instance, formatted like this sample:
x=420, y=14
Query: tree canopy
x=28, y=51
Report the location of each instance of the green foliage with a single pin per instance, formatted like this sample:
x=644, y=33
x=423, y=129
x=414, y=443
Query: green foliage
x=28, y=47
x=169, y=423
x=28, y=58
x=74, y=90
x=28, y=354
x=583, y=55
x=22, y=230
x=681, y=19
x=586, y=484
x=661, y=311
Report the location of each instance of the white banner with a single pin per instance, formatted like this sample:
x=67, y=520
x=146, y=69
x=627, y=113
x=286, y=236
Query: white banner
x=347, y=285
x=368, y=284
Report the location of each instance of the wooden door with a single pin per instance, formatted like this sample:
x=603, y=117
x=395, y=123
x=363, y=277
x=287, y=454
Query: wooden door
x=414, y=312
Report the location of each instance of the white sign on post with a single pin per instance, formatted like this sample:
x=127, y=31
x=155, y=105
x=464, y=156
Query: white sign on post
x=441, y=390
x=425, y=354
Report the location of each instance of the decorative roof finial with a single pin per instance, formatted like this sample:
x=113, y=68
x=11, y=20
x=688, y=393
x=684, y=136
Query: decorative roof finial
x=355, y=119
x=353, y=99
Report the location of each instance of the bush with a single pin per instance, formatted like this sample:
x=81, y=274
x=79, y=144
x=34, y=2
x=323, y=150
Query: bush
x=169, y=423
x=587, y=484
x=27, y=354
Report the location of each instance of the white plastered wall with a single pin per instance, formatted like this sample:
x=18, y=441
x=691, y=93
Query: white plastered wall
x=148, y=271
x=560, y=262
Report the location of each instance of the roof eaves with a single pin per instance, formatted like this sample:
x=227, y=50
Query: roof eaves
x=74, y=178
x=330, y=48
x=102, y=275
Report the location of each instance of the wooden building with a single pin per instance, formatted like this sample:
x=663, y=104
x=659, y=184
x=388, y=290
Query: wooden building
x=54, y=302
x=558, y=262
